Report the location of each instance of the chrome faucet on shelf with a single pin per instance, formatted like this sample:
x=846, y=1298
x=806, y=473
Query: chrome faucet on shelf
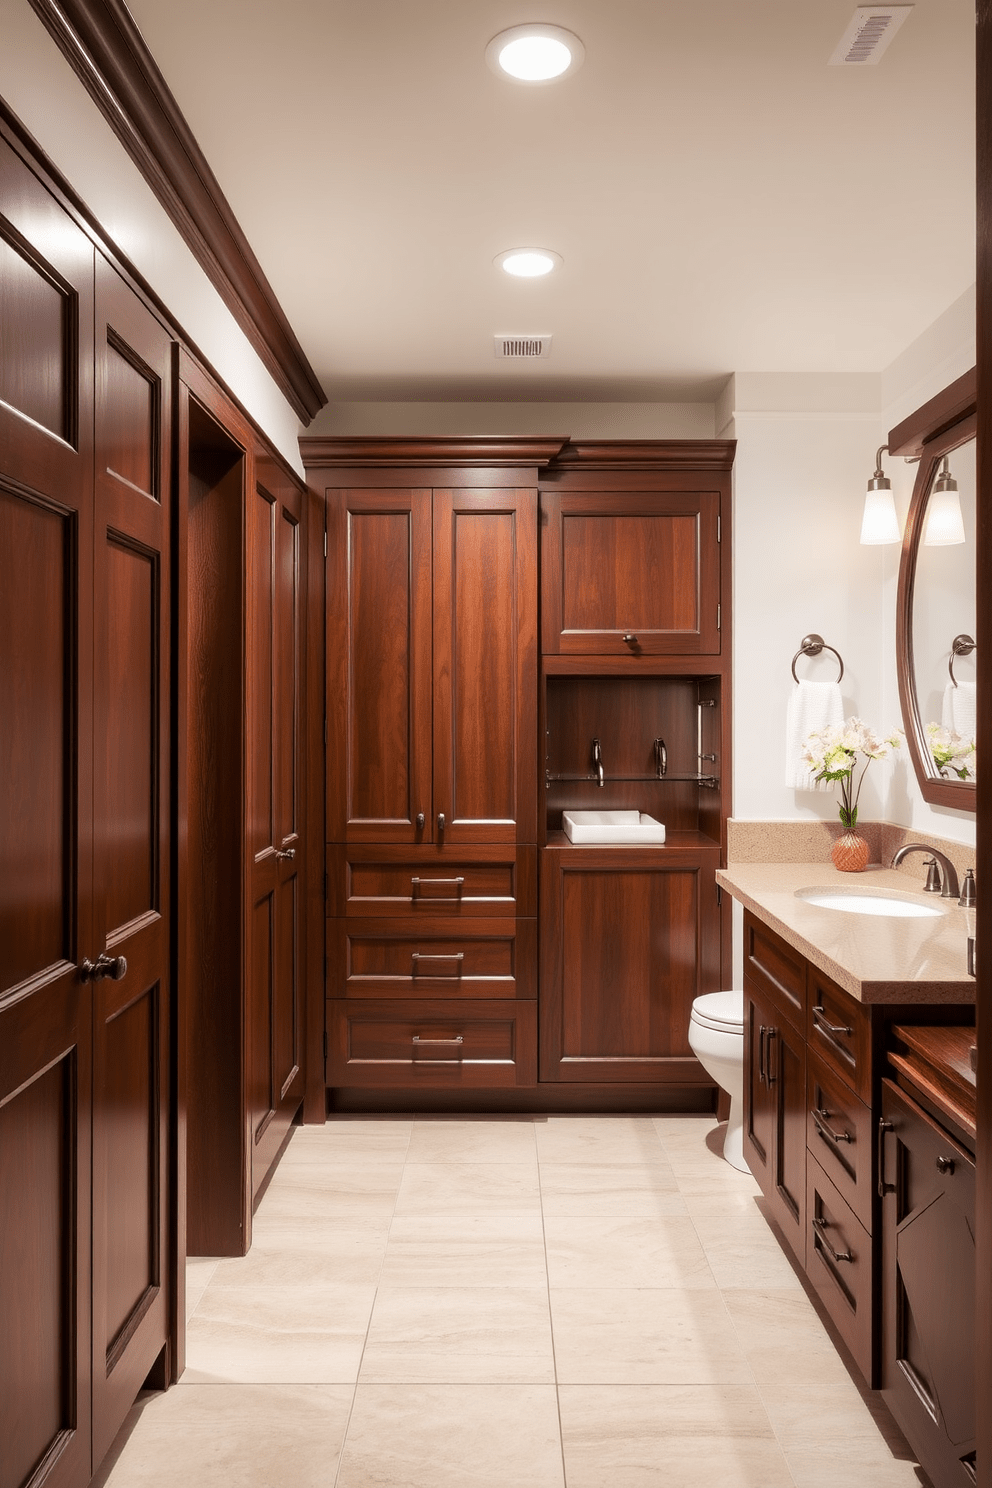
x=597, y=759
x=965, y=895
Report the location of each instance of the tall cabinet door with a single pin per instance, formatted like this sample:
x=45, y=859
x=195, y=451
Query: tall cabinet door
x=485, y=666
x=276, y=844
x=131, y=851
x=379, y=666
x=46, y=847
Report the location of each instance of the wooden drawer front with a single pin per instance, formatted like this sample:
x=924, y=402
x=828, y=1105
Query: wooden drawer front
x=839, y=1135
x=839, y=1264
x=776, y=969
x=432, y=1044
x=839, y=1032
x=394, y=958
x=400, y=881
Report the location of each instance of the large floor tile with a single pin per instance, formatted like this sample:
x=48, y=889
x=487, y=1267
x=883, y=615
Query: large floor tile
x=444, y=1140
x=199, y=1271
x=628, y=1140
x=669, y=1436
x=278, y=1334
x=453, y=1436
x=783, y=1339
x=305, y=1252
x=748, y=1254
x=810, y=1416
x=386, y=1138
x=213, y=1436
x=439, y=1189
x=625, y=1253
x=605, y=1189
x=465, y=1251
x=459, y=1335
x=645, y=1336
x=363, y=1190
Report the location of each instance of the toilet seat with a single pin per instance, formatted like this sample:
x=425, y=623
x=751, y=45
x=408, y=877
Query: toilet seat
x=721, y=1011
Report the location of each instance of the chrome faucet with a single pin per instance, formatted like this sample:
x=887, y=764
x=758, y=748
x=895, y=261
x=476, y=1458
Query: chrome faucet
x=950, y=889
x=597, y=759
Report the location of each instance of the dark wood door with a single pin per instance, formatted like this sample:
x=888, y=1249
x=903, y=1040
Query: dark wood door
x=276, y=853
x=785, y=1060
x=131, y=850
x=928, y=1288
x=759, y=1099
x=628, y=939
x=379, y=666
x=630, y=573
x=47, y=923
x=485, y=666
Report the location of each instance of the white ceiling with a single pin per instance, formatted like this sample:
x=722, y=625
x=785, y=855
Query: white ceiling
x=722, y=199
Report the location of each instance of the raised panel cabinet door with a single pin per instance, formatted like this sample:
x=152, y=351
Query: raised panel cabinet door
x=485, y=666
x=786, y=1055
x=928, y=1287
x=47, y=927
x=379, y=666
x=631, y=573
x=132, y=987
x=626, y=946
x=759, y=1094
x=275, y=827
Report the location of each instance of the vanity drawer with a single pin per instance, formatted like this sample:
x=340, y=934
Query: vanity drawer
x=436, y=958
x=390, y=881
x=776, y=969
x=431, y=1044
x=839, y=1136
x=839, y=1264
x=839, y=1032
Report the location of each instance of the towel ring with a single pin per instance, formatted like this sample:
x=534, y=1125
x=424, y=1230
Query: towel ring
x=812, y=645
x=962, y=645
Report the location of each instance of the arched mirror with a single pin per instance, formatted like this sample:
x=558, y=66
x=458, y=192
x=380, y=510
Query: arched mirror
x=935, y=623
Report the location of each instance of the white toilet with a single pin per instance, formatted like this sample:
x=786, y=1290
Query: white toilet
x=716, y=1037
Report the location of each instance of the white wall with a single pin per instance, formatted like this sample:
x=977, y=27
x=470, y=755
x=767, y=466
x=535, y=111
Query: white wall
x=45, y=94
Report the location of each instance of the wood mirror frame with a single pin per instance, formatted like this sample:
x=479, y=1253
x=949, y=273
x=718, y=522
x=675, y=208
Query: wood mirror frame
x=939, y=426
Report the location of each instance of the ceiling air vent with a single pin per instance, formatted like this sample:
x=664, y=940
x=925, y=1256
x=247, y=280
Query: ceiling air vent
x=522, y=346
x=868, y=33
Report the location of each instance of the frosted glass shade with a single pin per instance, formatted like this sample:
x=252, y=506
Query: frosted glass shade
x=879, y=523
x=945, y=525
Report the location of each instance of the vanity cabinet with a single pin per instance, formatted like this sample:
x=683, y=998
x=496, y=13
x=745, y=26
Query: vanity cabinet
x=928, y=1289
x=813, y=1064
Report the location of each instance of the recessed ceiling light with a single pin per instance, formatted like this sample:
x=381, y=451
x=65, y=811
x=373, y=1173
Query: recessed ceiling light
x=535, y=53
x=528, y=263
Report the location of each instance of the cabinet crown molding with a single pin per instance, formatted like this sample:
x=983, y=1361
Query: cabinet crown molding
x=412, y=451
x=648, y=454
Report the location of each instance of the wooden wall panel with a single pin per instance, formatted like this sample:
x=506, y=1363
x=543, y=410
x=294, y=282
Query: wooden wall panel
x=132, y=589
x=261, y=745
x=131, y=431
x=36, y=738
x=37, y=314
x=288, y=694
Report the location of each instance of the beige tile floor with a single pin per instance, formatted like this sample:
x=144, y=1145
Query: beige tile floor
x=548, y=1302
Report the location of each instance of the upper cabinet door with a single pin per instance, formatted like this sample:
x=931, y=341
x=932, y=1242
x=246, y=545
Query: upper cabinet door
x=631, y=574
x=379, y=666
x=485, y=666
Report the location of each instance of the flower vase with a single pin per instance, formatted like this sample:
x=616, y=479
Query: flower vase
x=849, y=853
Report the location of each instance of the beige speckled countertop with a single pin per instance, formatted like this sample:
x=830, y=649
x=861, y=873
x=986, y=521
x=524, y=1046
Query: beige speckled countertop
x=874, y=957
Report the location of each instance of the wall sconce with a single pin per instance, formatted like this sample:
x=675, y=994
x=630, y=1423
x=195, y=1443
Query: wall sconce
x=945, y=525
x=880, y=523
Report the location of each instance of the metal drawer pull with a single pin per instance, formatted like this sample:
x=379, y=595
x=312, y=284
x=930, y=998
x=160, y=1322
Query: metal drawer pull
x=883, y=1187
x=288, y=855
x=438, y=1043
x=630, y=638
x=945, y=1165
x=418, y=956
x=770, y=1033
x=820, y=1022
x=820, y=1225
x=822, y=1118
x=457, y=882
x=762, y=1055
x=421, y=821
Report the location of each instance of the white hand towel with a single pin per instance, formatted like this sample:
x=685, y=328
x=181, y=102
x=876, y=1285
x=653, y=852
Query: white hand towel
x=812, y=706
x=959, y=708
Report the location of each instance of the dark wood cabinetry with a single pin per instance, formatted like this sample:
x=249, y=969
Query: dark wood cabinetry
x=431, y=761
x=812, y=1096
x=929, y=1283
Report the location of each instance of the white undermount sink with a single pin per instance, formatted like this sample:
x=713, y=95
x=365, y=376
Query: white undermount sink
x=870, y=902
x=611, y=826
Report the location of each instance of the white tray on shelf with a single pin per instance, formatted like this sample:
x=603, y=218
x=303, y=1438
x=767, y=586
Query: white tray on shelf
x=611, y=826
